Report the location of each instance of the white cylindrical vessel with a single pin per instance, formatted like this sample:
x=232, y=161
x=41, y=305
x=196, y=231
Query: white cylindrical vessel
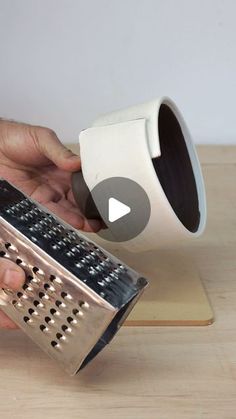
x=150, y=144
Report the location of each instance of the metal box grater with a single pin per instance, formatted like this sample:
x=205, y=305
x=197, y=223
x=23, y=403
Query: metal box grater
x=76, y=295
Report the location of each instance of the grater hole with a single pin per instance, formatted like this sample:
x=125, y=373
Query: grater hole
x=70, y=319
x=35, y=269
x=26, y=319
x=2, y=253
x=64, y=294
x=25, y=287
x=75, y=311
x=64, y=327
x=19, y=294
x=54, y=343
x=41, y=294
x=83, y=304
x=47, y=319
x=34, y=239
x=31, y=311
x=7, y=245
x=19, y=261
x=36, y=303
x=14, y=302
x=46, y=286
x=59, y=335
x=43, y=328
x=58, y=303
x=55, y=280
x=53, y=311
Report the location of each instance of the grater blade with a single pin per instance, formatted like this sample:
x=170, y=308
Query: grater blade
x=76, y=294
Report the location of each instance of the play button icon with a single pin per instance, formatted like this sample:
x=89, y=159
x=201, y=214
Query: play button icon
x=122, y=204
x=117, y=209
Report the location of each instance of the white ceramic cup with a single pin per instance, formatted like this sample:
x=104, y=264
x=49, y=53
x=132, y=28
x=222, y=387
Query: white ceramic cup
x=151, y=145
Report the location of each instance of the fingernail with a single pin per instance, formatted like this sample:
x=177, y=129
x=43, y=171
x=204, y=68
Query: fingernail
x=11, y=278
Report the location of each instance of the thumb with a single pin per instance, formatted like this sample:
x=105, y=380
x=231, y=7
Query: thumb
x=11, y=275
x=51, y=147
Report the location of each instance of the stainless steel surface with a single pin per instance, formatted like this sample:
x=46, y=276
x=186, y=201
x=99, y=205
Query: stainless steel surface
x=76, y=295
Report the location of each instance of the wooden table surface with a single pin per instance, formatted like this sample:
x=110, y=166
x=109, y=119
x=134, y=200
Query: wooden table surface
x=148, y=372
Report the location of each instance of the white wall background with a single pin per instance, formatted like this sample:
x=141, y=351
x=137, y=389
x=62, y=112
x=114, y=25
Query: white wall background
x=63, y=62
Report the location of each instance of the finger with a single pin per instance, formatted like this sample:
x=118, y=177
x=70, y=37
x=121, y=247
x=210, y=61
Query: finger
x=50, y=146
x=11, y=275
x=45, y=193
x=67, y=205
x=6, y=322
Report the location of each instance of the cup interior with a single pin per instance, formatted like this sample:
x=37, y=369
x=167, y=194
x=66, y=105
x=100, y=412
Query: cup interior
x=174, y=170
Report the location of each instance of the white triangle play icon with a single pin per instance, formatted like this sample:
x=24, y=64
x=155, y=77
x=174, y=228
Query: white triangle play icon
x=116, y=209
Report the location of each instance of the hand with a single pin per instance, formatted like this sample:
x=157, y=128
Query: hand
x=33, y=159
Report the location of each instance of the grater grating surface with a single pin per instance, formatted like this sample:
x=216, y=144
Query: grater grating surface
x=76, y=295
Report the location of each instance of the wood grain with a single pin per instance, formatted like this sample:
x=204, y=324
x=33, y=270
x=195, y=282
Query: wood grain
x=147, y=372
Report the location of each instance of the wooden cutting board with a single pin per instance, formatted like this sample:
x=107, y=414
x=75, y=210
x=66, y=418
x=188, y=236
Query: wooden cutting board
x=175, y=295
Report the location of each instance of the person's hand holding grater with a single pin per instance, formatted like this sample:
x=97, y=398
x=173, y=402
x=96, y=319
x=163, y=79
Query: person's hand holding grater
x=34, y=159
